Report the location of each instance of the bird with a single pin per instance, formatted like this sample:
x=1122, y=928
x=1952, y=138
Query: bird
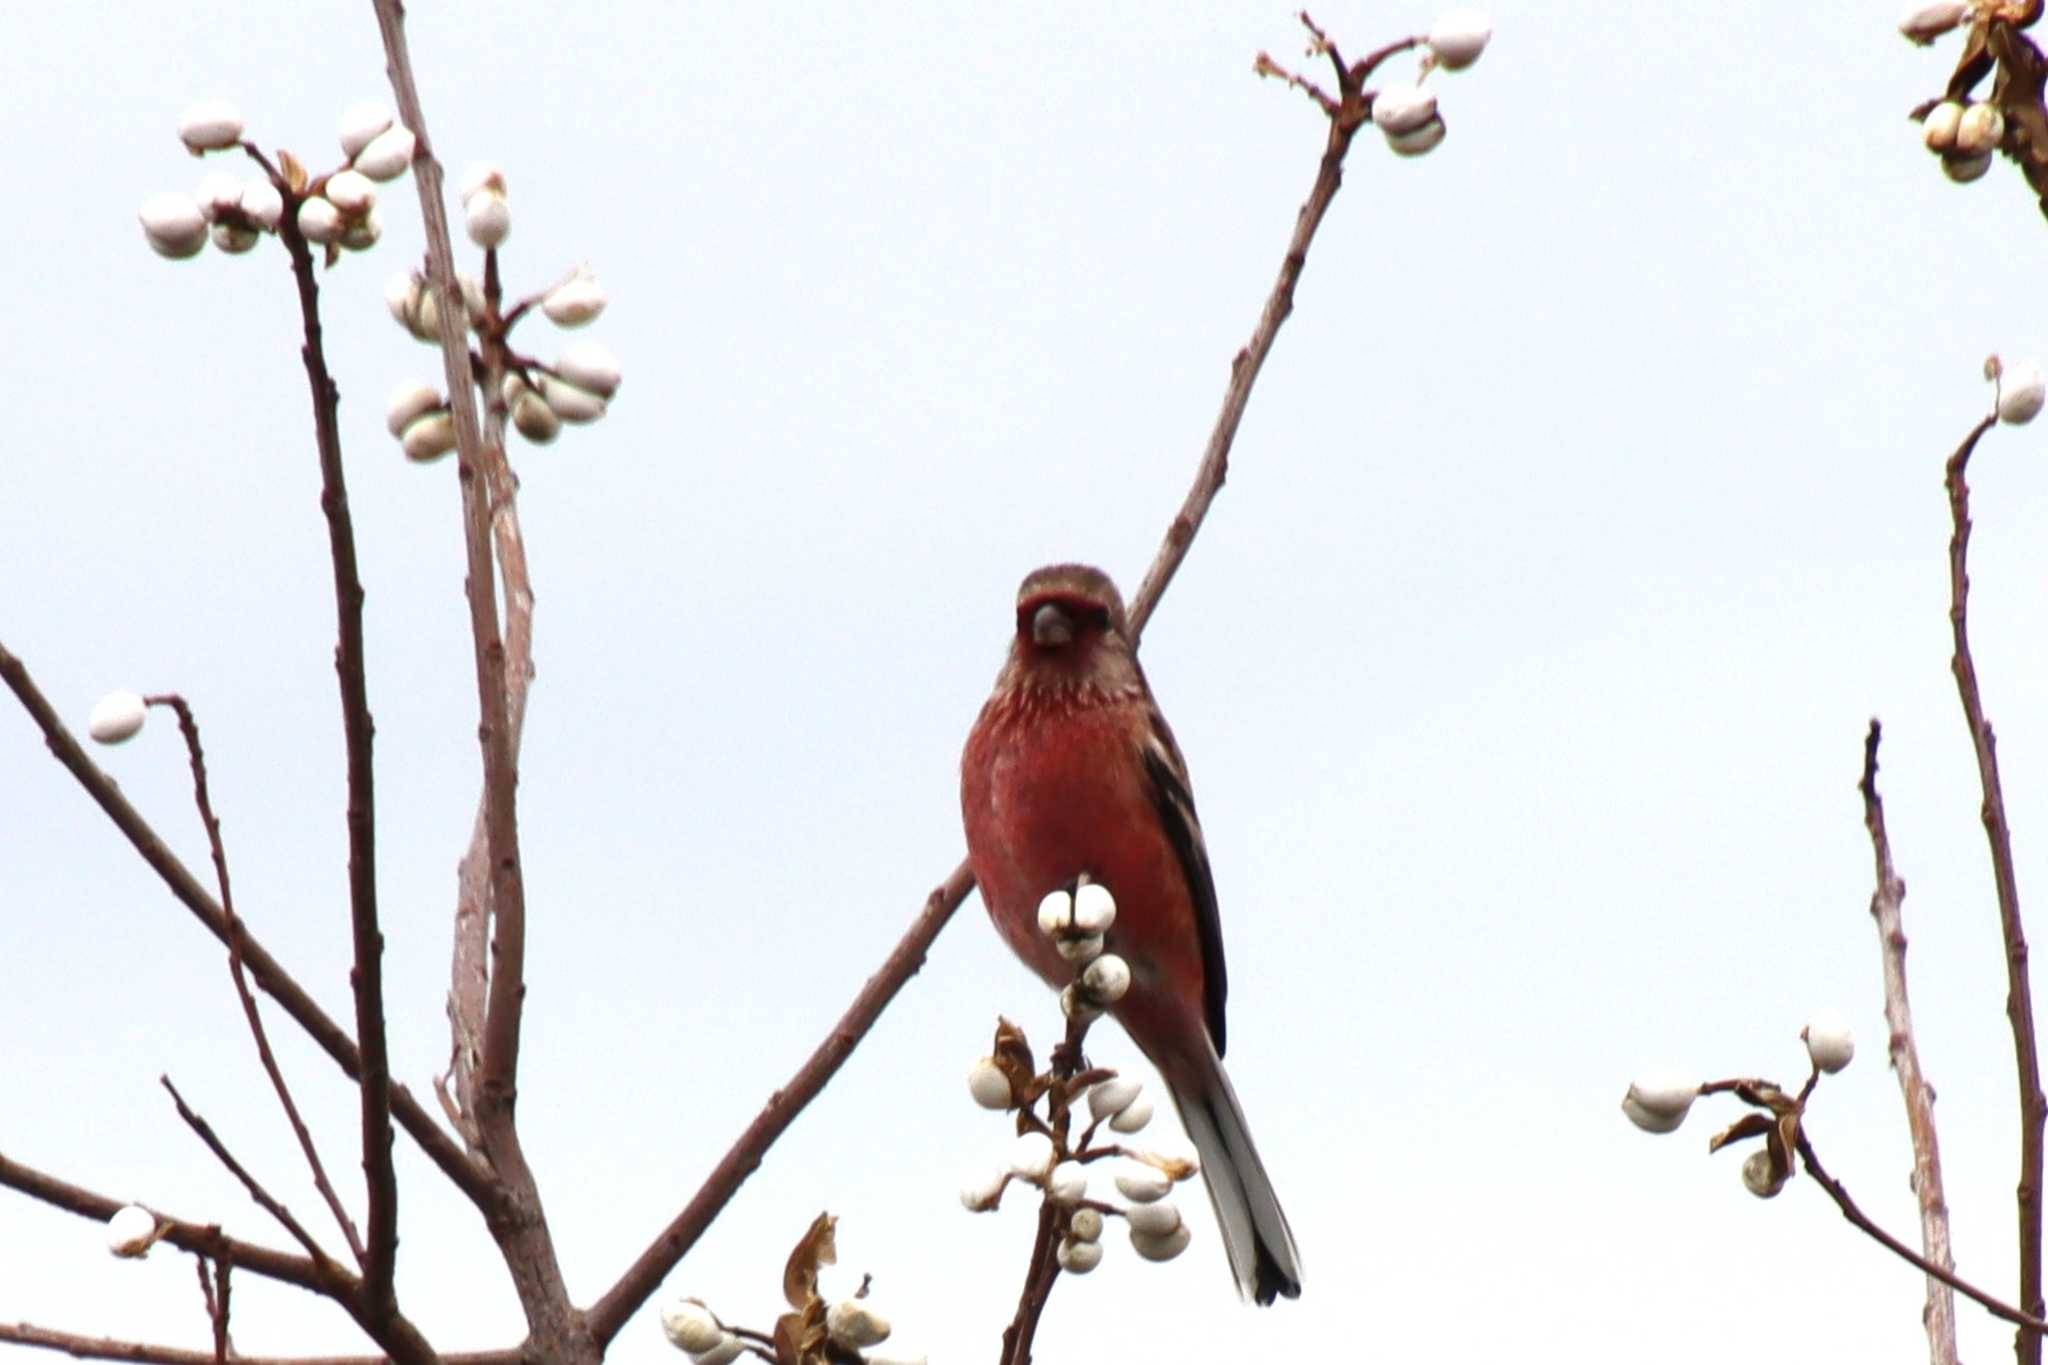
x=1071, y=772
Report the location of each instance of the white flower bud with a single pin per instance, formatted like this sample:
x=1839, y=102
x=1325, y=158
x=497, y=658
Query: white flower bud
x=430, y=436
x=1964, y=169
x=854, y=1325
x=1134, y=1116
x=1418, y=141
x=571, y=404
x=728, y=1349
x=1403, y=108
x=488, y=219
x=481, y=177
x=1980, y=129
x=690, y=1325
x=1759, y=1178
x=412, y=305
x=131, y=1231
x=115, y=718
x=1154, y=1220
x=1107, y=1099
x=1078, y=950
x=209, y=126
x=1094, y=908
x=1659, y=1103
x=1161, y=1248
x=472, y=293
x=409, y=401
x=1143, y=1184
x=589, y=365
x=233, y=238
x=1077, y=1005
x=319, y=221
x=1069, y=1182
x=360, y=124
x=174, y=225
x=1107, y=978
x=262, y=203
x=983, y=1193
x=1923, y=23
x=388, y=154
x=351, y=191
x=1031, y=1156
x=1085, y=1225
x=2020, y=394
x=1827, y=1037
x=1055, y=913
x=1079, y=1257
x=219, y=192
x=360, y=234
x=1458, y=37
x=535, y=420
x=986, y=1081
x=1938, y=130
x=575, y=301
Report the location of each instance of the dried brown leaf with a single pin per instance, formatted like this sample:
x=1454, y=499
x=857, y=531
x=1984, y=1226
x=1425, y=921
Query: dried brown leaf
x=817, y=1247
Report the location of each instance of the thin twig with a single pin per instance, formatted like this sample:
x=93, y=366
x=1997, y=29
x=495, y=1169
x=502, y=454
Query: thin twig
x=264, y=1198
x=276, y=982
x=222, y=1347
x=83, y=1347
x=2019, y=999
x=188, y=725
x=1885, y=909
x=366, y=977
x=1041, y=1271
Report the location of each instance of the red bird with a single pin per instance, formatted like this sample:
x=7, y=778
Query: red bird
x=1071, y=770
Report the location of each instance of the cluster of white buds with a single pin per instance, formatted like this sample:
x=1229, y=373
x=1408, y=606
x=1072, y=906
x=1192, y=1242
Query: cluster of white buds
x=1077, y=923
x=486, y=212
x=696, y=1331
x=851, y=1324
x=2020, y=389
x=1406, y=113
x=117, y=717
x=132, y=1231
x=1964, y=136
x=421, y=420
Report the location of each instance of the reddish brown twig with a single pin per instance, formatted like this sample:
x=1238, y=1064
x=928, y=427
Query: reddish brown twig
x=269, y=1203
x=1042, y=1269
x=83, y=1347
x=2019, y=999
x=1885, y=910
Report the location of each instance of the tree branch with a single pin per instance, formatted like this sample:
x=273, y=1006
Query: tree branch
x=85, y=1347
x=264, y=1199
x=2019, y=1000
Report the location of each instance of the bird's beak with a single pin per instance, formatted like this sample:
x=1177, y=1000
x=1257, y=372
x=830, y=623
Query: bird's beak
x=1051, y=627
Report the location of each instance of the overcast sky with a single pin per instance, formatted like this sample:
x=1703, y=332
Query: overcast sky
x=1589, y=507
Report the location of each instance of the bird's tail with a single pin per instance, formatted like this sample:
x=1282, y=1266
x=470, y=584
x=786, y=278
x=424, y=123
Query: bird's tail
x=1255, y=1231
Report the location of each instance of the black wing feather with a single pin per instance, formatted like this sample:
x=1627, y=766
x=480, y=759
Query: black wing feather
x=1176, y=807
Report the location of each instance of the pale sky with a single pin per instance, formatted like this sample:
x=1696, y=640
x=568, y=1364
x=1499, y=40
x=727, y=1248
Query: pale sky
x=1588, y=508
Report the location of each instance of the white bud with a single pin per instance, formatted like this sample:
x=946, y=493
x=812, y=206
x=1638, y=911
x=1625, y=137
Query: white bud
x=1085, y=1225
x=360, y=234
x=219, y=191
x=1069, y=1182
x=589, y=365
x=571, y=403
x=351, y=191
x=1403, y=108
x=534, y=419
x=2020, y=394
x=854, y=1325
x=1094, y=908
x=472, y=293
x=1758, y=1176
x=1418, y=141
x=1942, y=123
x=488, y=219
x=388, y=154
x=983, y=1193
x=1143, y=1184
x=1031, y=1156
x=1964, y=169
x=209, y=126
x=1163, y=1247
x=319, y=221
x=1659, y=1103
x=360, y=124
x=412, y=305
x=1827, y=1037
x=1107, y=978
x=1055, y=913
x=409, y=401
x=986, y=1081
x=131, y=1231
x=1078, y=950
x=690, y=1325
x=1154, y=1220
x=262, y=203
x=430, y=436
x=1923, y=23
x=1079, y=1257
x=728, y=1349
x=1980, y=129
x=1458, y=37
x=480, y=177
x=575, y=301
x=116, y=718
x=1077, y=1005
x=234, y=238
x=1134, y=1116
x=1107, y=1099
x=174, y=225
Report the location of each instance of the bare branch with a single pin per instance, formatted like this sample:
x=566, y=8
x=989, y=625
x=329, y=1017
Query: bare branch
x=2019, y=999
x=1885, y=902
x=1041, y=1270
x=267, y=1201
x=85, y=1347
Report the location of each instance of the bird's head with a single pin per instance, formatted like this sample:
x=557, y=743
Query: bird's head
x=1071, y=630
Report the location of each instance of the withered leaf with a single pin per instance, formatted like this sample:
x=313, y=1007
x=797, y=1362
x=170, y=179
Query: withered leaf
x=1748, y=1126
x=816, y=1248
x=293, y=171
